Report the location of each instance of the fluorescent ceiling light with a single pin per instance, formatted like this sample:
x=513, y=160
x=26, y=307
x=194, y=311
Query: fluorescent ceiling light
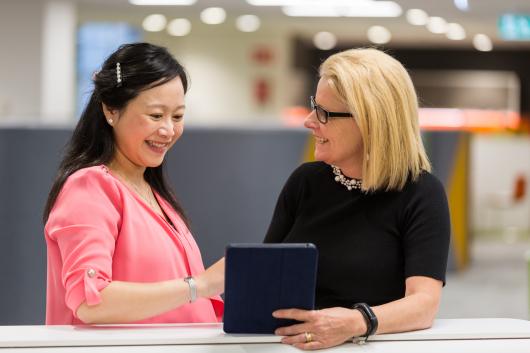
x=307, y=2
x=162, y=2
x=333, y=8
x=417, y=17
x=325, y=40
x=154, y=23
x=482, y=42
x=379, y=35
x=437, y=25
x=462, y=5
x=455, y=31
x=342, y=8
x=213, y=15
x=273, y=2
x=179, y=27
x=248, y=23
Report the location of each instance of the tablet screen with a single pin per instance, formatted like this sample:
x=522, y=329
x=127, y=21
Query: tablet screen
x=261, y=278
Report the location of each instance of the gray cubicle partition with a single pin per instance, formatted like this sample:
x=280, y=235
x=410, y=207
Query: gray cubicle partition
x=29, y=159
x=227, y=180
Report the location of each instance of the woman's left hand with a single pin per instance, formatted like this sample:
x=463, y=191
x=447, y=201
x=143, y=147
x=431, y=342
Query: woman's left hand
x=320, y=328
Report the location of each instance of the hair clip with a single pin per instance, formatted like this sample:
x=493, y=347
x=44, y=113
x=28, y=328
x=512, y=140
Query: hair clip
x=118, y=74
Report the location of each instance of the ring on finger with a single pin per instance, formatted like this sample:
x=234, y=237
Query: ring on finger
x=308, y=337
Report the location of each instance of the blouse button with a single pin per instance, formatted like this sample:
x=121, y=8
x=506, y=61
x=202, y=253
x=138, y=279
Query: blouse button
x=91, y=272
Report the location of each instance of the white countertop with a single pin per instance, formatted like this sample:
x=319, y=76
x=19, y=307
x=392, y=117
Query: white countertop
x=446, y=335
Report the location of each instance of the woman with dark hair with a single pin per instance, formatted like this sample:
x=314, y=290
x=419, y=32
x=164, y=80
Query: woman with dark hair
x=119, y=246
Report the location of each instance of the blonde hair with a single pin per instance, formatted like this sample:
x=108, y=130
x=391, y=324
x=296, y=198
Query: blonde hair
x=379, y=93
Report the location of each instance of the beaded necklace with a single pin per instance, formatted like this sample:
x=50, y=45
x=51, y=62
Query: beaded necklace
x=349, y=183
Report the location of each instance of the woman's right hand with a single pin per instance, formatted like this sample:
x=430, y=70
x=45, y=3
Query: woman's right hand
x=212, y=281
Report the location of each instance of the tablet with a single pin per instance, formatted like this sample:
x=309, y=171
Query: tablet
x=261, y=278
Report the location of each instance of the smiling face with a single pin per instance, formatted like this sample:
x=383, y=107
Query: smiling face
x=148, y=126
x=338, y=142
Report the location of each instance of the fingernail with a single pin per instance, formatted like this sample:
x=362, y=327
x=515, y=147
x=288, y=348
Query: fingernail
x=275, y=314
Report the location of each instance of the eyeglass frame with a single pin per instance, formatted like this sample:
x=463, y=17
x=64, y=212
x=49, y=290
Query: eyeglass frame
x=328, y=114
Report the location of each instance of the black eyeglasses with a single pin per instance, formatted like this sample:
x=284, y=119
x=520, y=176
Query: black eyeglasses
x=323, y=115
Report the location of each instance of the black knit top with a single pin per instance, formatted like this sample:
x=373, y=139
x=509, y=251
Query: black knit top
x=368, y=243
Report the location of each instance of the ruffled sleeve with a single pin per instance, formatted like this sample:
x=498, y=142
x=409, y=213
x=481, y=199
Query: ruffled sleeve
x=85, y=223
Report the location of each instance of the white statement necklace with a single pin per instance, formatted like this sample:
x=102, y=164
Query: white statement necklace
x=350, y=184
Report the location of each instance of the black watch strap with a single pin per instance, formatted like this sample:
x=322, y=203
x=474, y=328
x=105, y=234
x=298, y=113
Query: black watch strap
x=371, y=321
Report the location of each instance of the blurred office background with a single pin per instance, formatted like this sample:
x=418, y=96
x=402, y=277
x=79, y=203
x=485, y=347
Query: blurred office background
x=253, y=65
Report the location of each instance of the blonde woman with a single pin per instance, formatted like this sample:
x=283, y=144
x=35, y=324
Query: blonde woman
x=378, y=216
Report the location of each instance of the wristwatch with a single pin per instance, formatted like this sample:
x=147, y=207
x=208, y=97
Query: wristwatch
x=371, y=322
x=193, y=288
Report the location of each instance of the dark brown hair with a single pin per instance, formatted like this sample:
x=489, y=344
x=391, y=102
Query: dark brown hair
x=143, y=66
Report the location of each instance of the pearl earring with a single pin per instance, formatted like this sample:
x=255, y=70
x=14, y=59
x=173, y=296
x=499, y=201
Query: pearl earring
x=110, y=121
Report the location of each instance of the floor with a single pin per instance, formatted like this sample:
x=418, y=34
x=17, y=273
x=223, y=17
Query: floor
x=494, y=285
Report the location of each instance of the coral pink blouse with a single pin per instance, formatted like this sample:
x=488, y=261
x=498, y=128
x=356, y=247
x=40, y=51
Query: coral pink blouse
x=100, y=231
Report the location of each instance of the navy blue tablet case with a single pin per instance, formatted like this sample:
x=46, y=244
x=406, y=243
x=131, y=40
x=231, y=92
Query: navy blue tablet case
x=260, y=278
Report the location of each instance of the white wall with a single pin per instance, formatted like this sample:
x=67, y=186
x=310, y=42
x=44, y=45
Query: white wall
x=219, y=61
x=20, y=59
x=223, y=76
x=37, y=63
x=58, y=61
x=496, y=160
x=37, y=74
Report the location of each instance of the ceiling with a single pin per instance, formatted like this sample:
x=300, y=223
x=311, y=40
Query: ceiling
x=482, y=17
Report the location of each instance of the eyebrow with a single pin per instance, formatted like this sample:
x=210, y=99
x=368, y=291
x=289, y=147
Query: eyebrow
x=164, y=106
x=329, y=111
x=319, y=105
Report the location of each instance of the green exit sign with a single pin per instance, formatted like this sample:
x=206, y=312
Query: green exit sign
x=514, y=27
